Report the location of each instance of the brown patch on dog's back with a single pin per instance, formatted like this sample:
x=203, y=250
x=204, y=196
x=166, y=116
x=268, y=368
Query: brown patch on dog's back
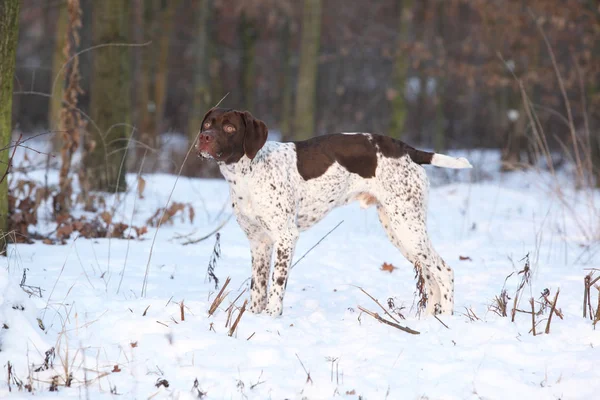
x=356, y=153
x=353, y=152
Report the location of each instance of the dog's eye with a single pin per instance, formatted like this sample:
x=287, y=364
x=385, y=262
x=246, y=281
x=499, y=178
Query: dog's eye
x=229, y=128
x=207, y=124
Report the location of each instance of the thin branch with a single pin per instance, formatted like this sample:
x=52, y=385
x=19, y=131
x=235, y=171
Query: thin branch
x=316, y=244
x=385, y=321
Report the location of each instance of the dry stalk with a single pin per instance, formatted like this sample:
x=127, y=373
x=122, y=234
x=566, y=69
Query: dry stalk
x=308, y=378
x=181, y=310
x=500, y=304
x=239, y=317
x=219, y=299
x=525, y=279
x=532, y=302
x=236, y=299
x=587, y=297
x=597, y=317
x=390, y=323
x=471, y=314
x=552, y=311
x=377, y=302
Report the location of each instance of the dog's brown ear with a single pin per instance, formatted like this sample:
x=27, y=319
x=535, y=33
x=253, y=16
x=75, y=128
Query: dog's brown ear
x=255, y=135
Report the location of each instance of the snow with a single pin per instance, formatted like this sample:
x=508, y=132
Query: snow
x=495, y=221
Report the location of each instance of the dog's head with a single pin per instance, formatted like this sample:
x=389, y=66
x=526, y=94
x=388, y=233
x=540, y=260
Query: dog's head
x=227, y=135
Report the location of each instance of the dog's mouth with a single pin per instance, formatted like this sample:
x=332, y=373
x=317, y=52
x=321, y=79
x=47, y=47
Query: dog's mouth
x=208, y=154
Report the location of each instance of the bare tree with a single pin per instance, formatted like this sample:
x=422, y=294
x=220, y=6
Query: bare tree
x=9, y=31
x=304, y=115
x=110, y=104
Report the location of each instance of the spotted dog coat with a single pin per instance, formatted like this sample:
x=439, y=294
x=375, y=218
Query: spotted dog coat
x=280, y=189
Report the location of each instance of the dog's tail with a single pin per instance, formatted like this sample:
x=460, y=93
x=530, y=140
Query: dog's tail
x=439, y=160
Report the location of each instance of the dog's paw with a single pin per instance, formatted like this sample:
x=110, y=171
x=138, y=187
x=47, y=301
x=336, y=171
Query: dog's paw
x=256, y=308
x=274, y=310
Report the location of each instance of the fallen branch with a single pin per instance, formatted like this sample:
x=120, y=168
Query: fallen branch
x=390, y=323
x=375, y=300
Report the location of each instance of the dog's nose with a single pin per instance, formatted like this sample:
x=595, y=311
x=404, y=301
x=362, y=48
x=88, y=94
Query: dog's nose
x=205, y=138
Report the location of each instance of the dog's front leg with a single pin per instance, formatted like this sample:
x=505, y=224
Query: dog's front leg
x=284, y=251
x=261, y=249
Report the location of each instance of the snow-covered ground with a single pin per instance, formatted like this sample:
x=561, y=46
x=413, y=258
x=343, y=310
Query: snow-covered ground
x=124, y=344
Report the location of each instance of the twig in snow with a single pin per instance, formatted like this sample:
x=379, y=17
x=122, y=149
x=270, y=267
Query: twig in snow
x=441, y=322
x=219, y=299
x=308, y=378
x=390, y=323
x=552, y=311
x=239, y=317
x=316, y=244
x=532, y=316
x=376, y=302
x=587, y=302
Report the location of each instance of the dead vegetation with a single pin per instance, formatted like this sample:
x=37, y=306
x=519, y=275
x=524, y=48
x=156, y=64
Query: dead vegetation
x=393, y=323
x=500, y=303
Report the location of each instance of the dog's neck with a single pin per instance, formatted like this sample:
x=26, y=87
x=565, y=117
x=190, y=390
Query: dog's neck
x=239, y=168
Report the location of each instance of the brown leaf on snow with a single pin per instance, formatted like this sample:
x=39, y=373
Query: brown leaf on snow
x=351, y=392
x=116, y=368
x=106, y=217
x=141, y=186
x=464, y=258
x=64, y=231
x=388, y=267
x=133, y=344
x=140, y=231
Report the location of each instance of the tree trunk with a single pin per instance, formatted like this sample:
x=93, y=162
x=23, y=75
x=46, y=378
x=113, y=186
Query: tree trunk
x=9, y=32
x=248, y=36
x=439, y=133
x=304, y=118
x=110, y=104
x=401, y=63
x=58, y=60
x=160, y=76
x=201, y=100
x=286, y=80
x=594, y=107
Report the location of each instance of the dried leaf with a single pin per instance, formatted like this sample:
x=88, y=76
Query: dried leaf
x=106, y=217
x=464, y=258
x=116, y=368
x=133, y=344
x=388, y=267
x=141, y=187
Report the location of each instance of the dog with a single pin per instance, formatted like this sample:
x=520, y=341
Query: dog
x=279, y=189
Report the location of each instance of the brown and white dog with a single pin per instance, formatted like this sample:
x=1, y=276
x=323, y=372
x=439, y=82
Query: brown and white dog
x=280, y=189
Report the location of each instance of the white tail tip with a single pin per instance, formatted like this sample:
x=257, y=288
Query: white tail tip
x=440, y=160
